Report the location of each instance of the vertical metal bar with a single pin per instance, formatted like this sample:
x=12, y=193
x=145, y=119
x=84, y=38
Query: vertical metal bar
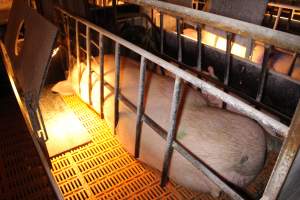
x=117, y=85
x=277, y=18
x=140, y=107
x=179, y=41
x=68, y=42
x=228, y=61
x=88, y=62
x=264, y=73
x=161, y=21
x=101, y=73
x=292, y=66
x=199, y=47
x=78, y=54
x=42, y=122
x=285, y=159
x=172, y=130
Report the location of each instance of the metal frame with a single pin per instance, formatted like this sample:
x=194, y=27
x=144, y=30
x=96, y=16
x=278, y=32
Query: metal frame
x=181, y=75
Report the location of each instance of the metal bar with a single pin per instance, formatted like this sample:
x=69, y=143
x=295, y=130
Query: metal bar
x=101, y=68
x=172, y=131
x=256, y=32
x=291, y=69
x=88, y=62
x=42, y=122
x=199, y=47
x=228, y=57
x=264, y=73
x=179, y=41
x=68, y=41
x=196, y=162
x=161, y=22
x=245, y=109
x=140, y=107
x=285, y=159
x=228, y=61
x=117, y=85
x=277, y=18
x=78, y=54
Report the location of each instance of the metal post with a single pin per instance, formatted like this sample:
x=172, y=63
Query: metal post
x=285, y=159
x=101, y=73
x=78, y=54
x=264, y=73
x=228, y=61
x=199, y=47
x=172, y=130
x=277, y=18
x=68, y=42
x=179, y=41
x=161, y=21
x=117, y=85
x=140, y=106
x=291, y=69
x=88, y=62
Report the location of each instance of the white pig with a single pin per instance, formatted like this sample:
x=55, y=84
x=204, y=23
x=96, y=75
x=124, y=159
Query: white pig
x=233, y=145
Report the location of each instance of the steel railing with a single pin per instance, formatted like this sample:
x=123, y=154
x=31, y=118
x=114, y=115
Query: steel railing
x=275, y=182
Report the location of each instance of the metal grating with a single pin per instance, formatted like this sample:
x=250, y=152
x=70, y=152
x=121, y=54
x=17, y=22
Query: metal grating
x=22, y=175
x=104, y=170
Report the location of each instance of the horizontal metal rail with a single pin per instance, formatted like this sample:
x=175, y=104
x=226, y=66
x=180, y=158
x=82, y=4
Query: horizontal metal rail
x=256, y=32
x=181, y=75
x=279, y=128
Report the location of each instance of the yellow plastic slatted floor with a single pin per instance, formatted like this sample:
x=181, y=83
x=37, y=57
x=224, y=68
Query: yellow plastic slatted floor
x=102, y=169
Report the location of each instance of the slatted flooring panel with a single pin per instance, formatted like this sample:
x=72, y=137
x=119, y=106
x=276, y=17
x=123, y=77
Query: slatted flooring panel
x=22, y=175
x=104, y=170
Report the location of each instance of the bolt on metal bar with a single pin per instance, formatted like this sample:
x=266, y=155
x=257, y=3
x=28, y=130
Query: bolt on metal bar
x=179, y=40
x=292, y=66
x=77, y=53
x=101, y=73
x=285, y=159
x=228, y=61
x=172, y=130
x=264, y=73
x=88, y=62
x=117, y=85
x=140, y=107
x=161, y=26
x=199, y=47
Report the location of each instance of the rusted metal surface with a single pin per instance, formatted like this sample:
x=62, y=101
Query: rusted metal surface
x=285, y=159
x=256, y=32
